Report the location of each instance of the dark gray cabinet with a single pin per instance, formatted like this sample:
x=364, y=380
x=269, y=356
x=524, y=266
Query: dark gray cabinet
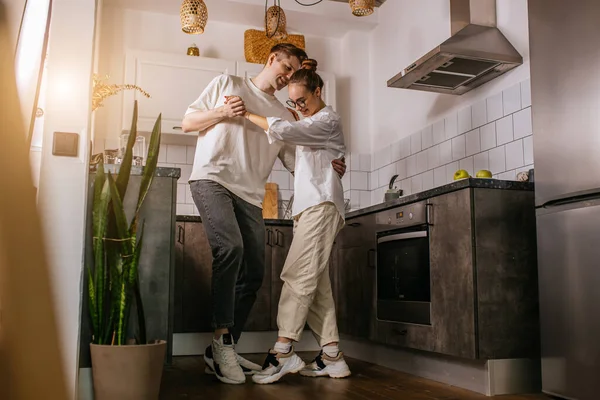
x=193, y=272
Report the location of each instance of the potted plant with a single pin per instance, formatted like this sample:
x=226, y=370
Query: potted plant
x=123, y=367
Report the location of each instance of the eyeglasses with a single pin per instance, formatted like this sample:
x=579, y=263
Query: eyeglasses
x=300, y=103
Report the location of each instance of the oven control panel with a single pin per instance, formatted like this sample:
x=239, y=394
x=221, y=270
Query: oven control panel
x=407, y=215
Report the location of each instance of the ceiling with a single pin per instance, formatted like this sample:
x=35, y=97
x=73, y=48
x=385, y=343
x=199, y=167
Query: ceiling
x=330, y=18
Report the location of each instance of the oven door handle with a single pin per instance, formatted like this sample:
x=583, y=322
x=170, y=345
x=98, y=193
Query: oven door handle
x=402, y=236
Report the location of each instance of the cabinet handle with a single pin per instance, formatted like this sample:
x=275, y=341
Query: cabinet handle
x=354, y=224
x=371, y=258
x=277, y=242
x=269, y=237
x=177, y=128
x=429, y=213
x=180, y=234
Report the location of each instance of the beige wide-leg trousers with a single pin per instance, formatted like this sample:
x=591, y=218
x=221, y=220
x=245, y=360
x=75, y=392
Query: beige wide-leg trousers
x=306, y=295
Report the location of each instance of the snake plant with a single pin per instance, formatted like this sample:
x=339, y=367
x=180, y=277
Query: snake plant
x=113, y=279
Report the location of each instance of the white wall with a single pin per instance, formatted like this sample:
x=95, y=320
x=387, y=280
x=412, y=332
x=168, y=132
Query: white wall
x=132, y=29
x=14, y=10
x=407, y=30
x=63, y=180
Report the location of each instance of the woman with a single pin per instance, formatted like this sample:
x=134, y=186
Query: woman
x=318, y=211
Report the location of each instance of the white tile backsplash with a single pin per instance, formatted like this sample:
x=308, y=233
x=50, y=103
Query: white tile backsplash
x=191, y=153
x=422, y=162
x=355, y=162
x=526, y=93
x=481, y=161
x=427, y=137
x=514, y=154
x=433, y=157
x=415, y=143
x=386, y=173
x=416, y=184
x=479, y=114
x=411, y=165
x=365, y=162
x=373, y=180
x=439, y=176
x=473, y=142
x=401, y=169
x=446, y=152
x=504, y=130
x=439, y=132
x=528, y=150
x=488, y=136
x=494, y=107
x=467, y=165
x=459, y=147
x=522, y=121
x=464, y=120
x=359, y=180
x=451, y=126
x=281, y=178
x=162, y=153
x=176, y=154
x=428, y=180
x=450, y=170
x=497, y=160
x=511, y=98
x=186, y=171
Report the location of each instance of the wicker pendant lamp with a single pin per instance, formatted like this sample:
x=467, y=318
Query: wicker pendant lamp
x=275, y=23
x=362, y=8
x=193, y=15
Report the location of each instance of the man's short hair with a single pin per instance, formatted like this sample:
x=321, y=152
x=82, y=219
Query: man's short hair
x=290, y=50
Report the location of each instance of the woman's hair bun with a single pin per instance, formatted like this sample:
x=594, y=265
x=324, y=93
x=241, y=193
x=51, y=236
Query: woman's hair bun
x=309, y=64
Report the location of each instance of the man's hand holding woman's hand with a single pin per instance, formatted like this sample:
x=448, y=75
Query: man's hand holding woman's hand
x=234, y=107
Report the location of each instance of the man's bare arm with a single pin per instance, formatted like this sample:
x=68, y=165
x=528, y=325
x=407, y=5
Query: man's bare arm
x=201, y=120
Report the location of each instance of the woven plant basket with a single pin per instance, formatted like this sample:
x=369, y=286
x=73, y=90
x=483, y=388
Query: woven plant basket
x=257, y=45
x=362, y=8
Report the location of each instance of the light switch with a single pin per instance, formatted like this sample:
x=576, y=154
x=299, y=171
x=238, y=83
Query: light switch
x=65, y=144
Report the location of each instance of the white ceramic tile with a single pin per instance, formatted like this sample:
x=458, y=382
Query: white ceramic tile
x=386, y=173
x=416, y=184
x=479, y=114
x=406, y=186
x=188, y=195
x=433, y=157
x=365, y=199
x=373, y=180
x=401, y=169
x=405, y=147
x=439, y=132
x=354, y=199
x=291, y=180
x=526, y=93
x=281, y=179
x=359, y=181
x=278, y=166
x=528, y=150
x=508, y=175
x=411, y=166
x=415, y=143
x=504, y=130
x=375, y=198
x=191, y=153
x=494, y=107
x=396, y=151
x=497, y=160
x=467, y=165
x=181, y=189
x=378, y=160
x=421, y=162
x=428, y=180
x=522, y=121
x=386, y=155
x=439, y=176
x=459, y=149
x=511, y=98
x=365, y=162
x=285, y=194
x=176, y=154
x=451, y=125
x=473, y=142
x=488, y=136
x=167, y=165
x=186, y=171
x=184, y=209
x=427, y=137
x=514, y=154
x=162, y=153
x=446, y=152
x=354, y=162
x=450, y=170
x=481, y=161
x=464, y=120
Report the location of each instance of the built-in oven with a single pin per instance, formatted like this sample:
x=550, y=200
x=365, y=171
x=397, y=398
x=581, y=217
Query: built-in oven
x=403, y=274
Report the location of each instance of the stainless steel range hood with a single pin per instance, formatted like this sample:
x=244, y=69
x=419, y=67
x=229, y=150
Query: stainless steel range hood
x=476, y=53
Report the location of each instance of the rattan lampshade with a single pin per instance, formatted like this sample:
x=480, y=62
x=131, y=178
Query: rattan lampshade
x=257, y=45
x=193, y=15
x=362, y=8
x=275, y=23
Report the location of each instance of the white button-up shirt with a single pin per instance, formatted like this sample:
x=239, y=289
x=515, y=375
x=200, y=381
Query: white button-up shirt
x=319, y=140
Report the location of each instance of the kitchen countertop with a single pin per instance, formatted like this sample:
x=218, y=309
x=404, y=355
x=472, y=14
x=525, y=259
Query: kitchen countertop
x=427, y=194
x=438, y=191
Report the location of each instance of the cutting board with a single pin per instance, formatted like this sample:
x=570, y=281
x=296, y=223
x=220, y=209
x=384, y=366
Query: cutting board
x=270, y=202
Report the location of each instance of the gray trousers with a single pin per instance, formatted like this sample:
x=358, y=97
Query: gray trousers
x=236, y=234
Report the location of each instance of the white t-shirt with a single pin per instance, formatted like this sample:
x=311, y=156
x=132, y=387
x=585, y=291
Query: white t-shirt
x=319, y=140
x=236, y=153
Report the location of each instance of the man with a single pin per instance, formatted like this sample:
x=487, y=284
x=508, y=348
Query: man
x=232, y=163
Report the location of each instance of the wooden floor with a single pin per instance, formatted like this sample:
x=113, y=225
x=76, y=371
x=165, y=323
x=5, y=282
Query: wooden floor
x=186, y=380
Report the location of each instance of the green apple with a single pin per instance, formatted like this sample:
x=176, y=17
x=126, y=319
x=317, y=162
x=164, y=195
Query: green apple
x=461, y=174
x=484, y=173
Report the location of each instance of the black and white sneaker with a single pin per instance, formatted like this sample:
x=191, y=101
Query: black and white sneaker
x=277, y=365
x=323, y=365
x=223, y=362
x=248, y=367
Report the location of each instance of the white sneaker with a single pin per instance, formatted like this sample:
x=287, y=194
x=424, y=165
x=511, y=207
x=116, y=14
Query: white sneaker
x=248, y=367
x=224, y=362
x=277, y=365
x=323, y=365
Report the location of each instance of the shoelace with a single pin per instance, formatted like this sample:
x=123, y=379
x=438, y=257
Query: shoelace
x=229, y=356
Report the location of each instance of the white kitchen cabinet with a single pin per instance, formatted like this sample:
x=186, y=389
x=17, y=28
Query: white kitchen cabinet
x=173, y=81
x=249, y=69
